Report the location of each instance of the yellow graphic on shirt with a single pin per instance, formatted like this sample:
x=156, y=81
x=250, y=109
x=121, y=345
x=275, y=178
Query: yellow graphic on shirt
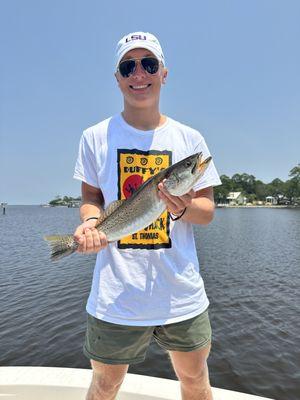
x=134, y=168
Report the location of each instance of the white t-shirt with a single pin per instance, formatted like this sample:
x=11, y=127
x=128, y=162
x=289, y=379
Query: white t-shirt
x=151, y=277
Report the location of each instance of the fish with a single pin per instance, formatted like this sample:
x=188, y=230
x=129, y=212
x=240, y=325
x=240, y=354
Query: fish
x=126, y=217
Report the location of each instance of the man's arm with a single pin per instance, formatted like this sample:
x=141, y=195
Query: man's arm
x=89, y=238
x=199, y=205
x=202, y=208
x=92, y=202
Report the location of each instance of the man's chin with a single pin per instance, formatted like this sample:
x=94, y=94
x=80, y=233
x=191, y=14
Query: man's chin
x=142, y=102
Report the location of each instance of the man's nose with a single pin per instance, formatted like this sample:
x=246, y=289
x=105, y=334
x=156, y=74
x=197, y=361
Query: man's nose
x=139, y=71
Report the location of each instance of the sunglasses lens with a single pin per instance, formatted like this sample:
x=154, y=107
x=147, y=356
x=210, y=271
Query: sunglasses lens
x=150, y=64
x=126, y=68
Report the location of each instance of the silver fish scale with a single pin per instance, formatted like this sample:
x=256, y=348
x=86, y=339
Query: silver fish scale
x=134, y=215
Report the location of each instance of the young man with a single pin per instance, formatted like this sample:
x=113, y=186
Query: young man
x=147, y=284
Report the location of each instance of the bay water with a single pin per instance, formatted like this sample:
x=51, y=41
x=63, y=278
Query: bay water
x=250, y=263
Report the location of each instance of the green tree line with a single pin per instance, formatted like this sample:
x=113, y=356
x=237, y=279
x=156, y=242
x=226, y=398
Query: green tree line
x=63, y=201
x=252, y=188
x=255, y=190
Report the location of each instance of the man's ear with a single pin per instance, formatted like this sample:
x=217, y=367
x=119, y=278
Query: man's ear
x=165, y=74
x=116, y=76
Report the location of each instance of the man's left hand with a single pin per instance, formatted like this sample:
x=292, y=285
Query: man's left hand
x=175, y=204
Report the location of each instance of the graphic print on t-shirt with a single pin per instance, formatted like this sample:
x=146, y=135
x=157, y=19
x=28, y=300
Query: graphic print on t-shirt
x=134, y=168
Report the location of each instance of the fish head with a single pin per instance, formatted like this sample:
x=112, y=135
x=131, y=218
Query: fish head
x=183, y=175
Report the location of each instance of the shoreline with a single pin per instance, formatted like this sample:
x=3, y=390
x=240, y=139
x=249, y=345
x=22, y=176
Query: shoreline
x=257, y=206
x=217, y=206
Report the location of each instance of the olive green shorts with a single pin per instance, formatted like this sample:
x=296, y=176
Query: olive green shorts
x=124, y=344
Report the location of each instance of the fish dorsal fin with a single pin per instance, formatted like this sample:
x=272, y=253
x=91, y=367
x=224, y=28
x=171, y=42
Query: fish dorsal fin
x=109, y=210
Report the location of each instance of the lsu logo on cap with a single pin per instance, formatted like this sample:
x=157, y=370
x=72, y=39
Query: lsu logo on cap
x=136, y=37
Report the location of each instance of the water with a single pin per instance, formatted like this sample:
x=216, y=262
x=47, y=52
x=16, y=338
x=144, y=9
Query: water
x=251, y=267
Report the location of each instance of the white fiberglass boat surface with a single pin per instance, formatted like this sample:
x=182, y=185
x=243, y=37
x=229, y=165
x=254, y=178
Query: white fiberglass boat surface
x=47, y=383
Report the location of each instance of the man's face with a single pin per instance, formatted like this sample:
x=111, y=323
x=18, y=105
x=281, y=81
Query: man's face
x=141, y=89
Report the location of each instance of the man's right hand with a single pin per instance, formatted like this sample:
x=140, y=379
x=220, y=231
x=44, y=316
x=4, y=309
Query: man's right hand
x=89, y=238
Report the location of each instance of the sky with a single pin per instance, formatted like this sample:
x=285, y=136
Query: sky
x=233, y=75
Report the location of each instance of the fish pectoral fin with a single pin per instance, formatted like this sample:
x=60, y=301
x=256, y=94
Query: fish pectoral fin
x=111, y=208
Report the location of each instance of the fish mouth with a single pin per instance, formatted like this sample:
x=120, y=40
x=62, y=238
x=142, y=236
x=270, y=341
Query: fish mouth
x=202, y=165
x=197, y=164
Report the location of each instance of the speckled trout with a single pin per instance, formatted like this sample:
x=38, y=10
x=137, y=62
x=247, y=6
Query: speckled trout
x=125, y=217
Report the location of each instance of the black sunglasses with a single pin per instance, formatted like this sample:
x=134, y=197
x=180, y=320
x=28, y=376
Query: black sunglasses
x=127, y=67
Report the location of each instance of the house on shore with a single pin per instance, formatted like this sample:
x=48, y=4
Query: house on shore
x=74, y=204
x=271, y=200
x=236, y=199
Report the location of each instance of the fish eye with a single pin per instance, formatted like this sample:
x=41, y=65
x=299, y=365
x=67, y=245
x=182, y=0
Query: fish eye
x=188, y=163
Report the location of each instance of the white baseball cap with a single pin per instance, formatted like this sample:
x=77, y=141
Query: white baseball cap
x=135, y=40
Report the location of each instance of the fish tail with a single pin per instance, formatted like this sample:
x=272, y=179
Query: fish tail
x=61, y=246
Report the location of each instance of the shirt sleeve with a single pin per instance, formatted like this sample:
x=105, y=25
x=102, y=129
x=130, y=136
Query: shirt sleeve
x=210, y=176
x=86, y=165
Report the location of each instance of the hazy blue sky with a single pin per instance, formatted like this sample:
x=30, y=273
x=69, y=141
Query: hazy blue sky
x=233, y=74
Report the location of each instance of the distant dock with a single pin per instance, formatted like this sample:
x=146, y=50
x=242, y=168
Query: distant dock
x=257, y=206
x=3, y=206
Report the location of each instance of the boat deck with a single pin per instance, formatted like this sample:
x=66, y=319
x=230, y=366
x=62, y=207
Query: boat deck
x=49, y=383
